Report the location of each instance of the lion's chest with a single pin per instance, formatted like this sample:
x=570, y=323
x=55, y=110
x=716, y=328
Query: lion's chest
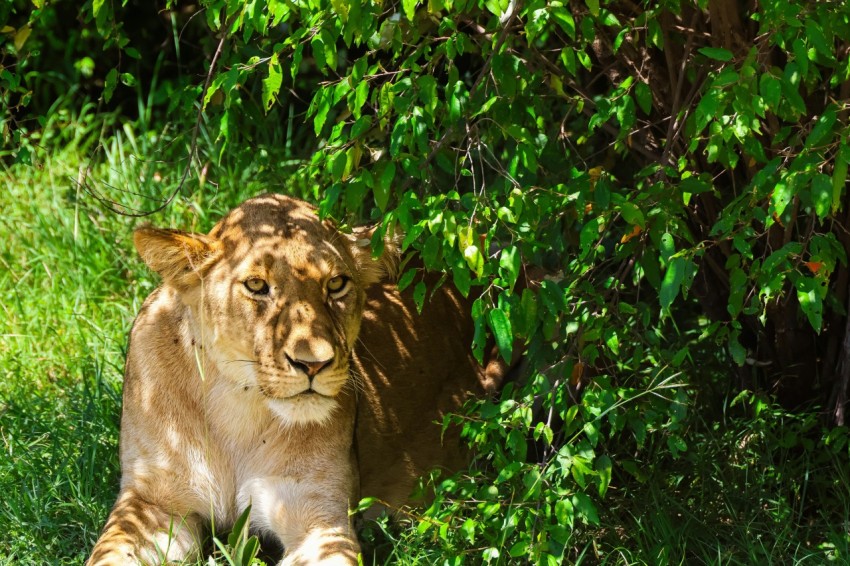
x=243, y=443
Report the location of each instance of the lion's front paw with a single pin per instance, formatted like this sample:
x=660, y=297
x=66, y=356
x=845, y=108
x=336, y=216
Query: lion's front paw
x=330, y=547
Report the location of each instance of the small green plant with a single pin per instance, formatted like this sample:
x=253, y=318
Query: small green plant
x=241, y=548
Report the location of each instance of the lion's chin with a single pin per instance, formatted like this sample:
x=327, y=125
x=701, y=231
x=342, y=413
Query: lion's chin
x=303, y=409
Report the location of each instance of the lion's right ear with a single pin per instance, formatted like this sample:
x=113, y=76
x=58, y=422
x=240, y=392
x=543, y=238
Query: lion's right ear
x=179, y=257
x=373, y=269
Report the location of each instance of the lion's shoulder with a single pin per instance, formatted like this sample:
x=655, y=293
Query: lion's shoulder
x=416, y=368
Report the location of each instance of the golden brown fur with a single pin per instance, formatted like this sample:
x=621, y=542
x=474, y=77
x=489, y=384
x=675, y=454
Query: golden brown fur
x=238, y=390
x=417, y=368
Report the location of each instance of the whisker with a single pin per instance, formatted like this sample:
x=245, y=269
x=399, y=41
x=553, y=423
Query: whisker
x=371, y=355
x=350, y=386
x=356, y=382
x=248, y=362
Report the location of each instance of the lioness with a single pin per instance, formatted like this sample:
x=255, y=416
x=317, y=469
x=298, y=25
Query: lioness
x=242, y=383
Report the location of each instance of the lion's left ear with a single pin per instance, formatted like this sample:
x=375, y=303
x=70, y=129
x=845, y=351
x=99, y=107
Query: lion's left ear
x=372, y=269
x=181, y=258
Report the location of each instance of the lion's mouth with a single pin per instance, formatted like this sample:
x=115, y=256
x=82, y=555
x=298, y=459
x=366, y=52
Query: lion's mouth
x=312, y=393
x=305, y=407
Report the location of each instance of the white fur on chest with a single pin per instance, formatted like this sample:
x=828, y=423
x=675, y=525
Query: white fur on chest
x=239, y=431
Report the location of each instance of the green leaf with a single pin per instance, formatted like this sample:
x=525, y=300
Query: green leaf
x=427, y=91
x=717, y=53
x=676, y=444
x=728, y=76
x=603, y=467
x=593, y=7
x=406, y=279
x=317, y=43
x=738, y=352
x=361, y=126
x=468, y=530
x=568, y=59
x=272, y=82
x=397, y=136
x=810, y=294
x=643, y=94
x=589, y=235
x=791, y=90
x=823, y=127
x=361, y=94
x=672, y=281
x=419, y=295
x=409, y=7
x=329, y=49
x=782, y=194
x=822, y=195
x=585, y=508
x=564, y=512
x=297, y=57
x=474, y=259
x=321, y=105
x=509, y=264
x=338, y=166
x=626, y=115
x=97, y=6
x=632, y=214
x=839, y=175
x=430, y=252
x=666, y=246
x=358, y=70
x=366, y=503
x=801, y=56
x=461, y=278
x=109, y=84
x=737, y=288
x=771, y=90
x=816, y=37
x=383, y=185
x=501, y=326
x=520, y=548
x=528, y=310
x=240, y=528
x=562, y=15
x=225, y=82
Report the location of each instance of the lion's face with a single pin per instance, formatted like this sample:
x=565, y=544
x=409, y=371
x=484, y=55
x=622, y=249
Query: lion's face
x=276, y=297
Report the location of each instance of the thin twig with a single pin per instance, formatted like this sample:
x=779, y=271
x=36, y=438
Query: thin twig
x=677, y=96
x=193, y=147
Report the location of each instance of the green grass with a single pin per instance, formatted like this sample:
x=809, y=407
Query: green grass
x=756, y=486
x=67, y=302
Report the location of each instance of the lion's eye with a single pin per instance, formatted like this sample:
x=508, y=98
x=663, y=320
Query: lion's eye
x=257, y=286
x=337, y=286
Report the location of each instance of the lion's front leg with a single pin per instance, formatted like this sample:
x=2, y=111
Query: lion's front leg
x=311, y=520
x=323, y=545
x=141, y=533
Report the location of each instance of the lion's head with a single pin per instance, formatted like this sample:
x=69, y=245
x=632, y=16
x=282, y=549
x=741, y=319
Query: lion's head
x=276, y=296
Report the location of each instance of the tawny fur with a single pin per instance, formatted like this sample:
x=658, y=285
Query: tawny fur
x=215, y=412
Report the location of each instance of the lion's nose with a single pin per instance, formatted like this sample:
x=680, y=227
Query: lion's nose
x=311, y=368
